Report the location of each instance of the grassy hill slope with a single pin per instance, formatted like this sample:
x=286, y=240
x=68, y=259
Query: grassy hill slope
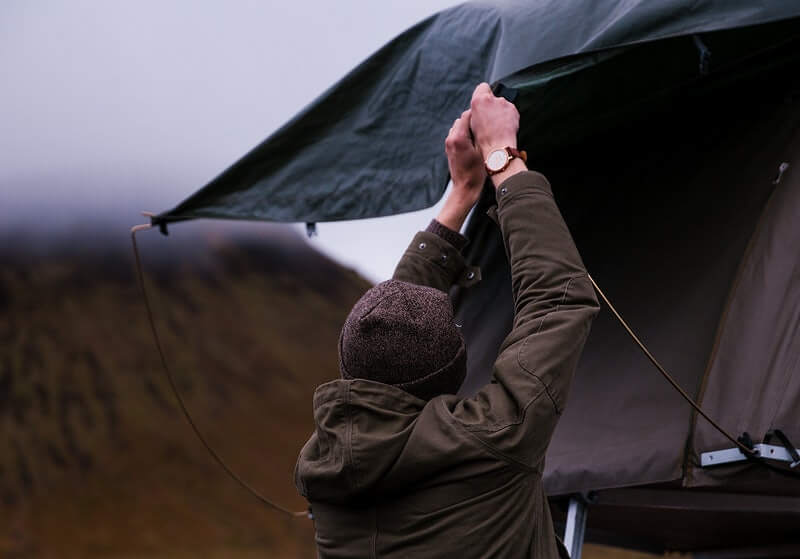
x=95, y=458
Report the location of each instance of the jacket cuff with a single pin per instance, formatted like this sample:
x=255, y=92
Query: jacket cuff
x=455, y=238
x=526, y=182
x=442, y=256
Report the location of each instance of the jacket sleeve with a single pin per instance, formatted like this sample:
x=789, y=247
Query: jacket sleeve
x=554, y=304
x=432, y=261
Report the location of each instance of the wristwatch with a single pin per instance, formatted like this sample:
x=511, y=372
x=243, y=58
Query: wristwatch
x=498, y=160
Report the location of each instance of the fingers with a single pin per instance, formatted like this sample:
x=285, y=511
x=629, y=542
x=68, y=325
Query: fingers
x=482, y=90
x=483, y=96
x=459, y=136
x=494, y=120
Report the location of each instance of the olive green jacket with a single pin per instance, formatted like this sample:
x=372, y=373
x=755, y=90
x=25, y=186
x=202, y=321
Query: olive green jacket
x=391, y=476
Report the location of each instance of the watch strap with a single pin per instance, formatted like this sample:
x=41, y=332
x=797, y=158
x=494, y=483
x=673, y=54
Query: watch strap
x=514, y=152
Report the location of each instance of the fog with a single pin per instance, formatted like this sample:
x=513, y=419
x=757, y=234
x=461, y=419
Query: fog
x=109, y=108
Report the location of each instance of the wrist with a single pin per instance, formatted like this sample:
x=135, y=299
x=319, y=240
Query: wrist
x=516, y=165
x=488, y=147
x=464, y=195
x=454, y=212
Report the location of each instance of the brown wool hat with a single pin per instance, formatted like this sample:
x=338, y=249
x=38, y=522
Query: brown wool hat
x=403, y=334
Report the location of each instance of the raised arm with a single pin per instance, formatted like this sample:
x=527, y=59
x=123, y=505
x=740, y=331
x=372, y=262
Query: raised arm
x=434, y=256
x=554, y=302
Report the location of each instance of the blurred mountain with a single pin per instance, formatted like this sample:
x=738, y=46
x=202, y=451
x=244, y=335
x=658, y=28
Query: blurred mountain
x=96, y=459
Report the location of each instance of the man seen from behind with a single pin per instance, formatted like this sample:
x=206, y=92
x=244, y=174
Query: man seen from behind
x=399, y=465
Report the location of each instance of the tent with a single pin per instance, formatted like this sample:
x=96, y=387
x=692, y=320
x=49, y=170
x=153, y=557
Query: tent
x=671, y=133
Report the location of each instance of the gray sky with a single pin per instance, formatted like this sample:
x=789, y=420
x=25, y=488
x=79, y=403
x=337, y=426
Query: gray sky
x=111, y=107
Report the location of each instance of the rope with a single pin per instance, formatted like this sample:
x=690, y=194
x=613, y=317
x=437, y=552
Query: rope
x=174, y=386
x=745, y=450
x=751, y=454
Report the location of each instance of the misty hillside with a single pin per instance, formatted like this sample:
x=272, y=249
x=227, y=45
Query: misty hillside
x=95, y=457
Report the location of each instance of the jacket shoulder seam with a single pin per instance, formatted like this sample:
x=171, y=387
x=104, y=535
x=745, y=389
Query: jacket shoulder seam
x=491, y=449
x=520, y=359
x=521, y=417
x=495, y=427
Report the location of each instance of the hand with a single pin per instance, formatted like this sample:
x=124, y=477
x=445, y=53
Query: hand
x=467, y=171
x=466, y=164
x=495, y=121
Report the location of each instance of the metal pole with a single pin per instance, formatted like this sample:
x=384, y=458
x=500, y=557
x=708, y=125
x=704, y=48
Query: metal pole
x=576, y=527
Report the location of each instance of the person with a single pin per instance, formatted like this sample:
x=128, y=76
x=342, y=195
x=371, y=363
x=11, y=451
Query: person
x=399, y=465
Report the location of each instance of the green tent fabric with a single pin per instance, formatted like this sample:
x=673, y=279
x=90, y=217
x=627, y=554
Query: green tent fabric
x=372, y=144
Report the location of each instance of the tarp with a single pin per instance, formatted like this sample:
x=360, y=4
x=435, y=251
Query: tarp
x=372, y=144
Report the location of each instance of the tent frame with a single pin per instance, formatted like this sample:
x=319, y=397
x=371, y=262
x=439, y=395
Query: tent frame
x=767, y=451
x=575, y=529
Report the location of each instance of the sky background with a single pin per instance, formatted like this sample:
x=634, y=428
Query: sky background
x=109, y=107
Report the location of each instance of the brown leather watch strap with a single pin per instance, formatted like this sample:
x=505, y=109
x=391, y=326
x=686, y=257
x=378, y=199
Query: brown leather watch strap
x=522, y=154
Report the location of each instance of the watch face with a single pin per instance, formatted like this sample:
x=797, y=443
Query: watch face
x=497, y=159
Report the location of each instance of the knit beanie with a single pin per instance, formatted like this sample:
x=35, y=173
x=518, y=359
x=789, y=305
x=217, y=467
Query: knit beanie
x=404, y=335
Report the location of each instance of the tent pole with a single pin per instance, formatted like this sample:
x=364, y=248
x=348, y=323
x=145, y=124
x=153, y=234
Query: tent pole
x=576, y=526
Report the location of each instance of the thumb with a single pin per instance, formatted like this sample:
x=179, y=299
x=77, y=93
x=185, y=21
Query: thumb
x=482, y=89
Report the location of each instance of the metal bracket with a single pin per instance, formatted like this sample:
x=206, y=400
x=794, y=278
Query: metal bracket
x=782, y=168
x=729, y=455
x=575, y=530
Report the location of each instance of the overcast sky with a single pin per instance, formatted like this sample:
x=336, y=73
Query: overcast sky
x=111, y=107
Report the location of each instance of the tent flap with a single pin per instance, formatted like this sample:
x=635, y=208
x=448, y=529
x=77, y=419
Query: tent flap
x=372, y=144
x=753, y=383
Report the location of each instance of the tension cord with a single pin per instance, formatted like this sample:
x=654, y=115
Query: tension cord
x=745, y=450
x=247, y=487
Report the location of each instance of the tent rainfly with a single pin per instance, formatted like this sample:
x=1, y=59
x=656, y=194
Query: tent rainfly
x=671, y=133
